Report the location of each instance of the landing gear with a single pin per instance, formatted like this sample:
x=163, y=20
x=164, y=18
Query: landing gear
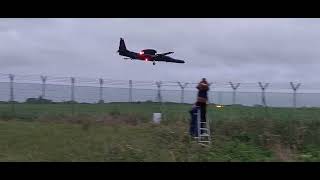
x=154, y=63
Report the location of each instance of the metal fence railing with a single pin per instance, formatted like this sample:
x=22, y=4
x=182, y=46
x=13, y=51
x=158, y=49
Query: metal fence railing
x=15, y=88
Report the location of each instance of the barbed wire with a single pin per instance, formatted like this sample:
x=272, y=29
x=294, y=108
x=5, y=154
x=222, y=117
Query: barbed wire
x=117, y=83
x=92, y=96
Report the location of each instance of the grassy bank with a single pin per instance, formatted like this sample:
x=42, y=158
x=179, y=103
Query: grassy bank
x=123, y=132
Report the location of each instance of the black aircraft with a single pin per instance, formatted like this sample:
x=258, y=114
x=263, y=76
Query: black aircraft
x=145, y=55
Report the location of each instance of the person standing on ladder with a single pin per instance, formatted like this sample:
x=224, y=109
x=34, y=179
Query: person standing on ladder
x=202, y=98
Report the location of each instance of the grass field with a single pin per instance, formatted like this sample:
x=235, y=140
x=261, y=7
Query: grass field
x=124, y=132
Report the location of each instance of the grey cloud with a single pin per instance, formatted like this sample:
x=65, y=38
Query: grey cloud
x=220, y=49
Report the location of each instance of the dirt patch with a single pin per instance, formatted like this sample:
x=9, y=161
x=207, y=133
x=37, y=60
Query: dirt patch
x=119, y=119
x=282, y=152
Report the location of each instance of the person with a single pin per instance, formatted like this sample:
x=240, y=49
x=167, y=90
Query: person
x=202, y=98
x=193, y=122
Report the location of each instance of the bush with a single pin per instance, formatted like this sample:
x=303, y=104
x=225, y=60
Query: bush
x=6, y=116
x=115, y=112
x=38, y=100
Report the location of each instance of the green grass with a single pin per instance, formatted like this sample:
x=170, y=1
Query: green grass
x=123, y=132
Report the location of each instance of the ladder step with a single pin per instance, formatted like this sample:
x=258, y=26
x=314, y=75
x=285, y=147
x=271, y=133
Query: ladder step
x=202, y=144
x=203, y=141
x=204, y=137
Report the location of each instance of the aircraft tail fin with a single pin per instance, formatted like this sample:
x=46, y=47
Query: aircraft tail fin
x=122, y=45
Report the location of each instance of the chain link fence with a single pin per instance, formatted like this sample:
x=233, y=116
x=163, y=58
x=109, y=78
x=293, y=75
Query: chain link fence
x=75, y=91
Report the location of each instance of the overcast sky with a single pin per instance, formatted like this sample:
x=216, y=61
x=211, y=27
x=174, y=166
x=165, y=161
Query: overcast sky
x=245, y=50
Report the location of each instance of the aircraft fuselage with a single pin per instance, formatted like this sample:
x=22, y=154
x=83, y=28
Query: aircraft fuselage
x=146, y=55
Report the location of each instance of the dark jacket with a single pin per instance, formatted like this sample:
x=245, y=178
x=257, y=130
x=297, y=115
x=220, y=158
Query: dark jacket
x=203, y=88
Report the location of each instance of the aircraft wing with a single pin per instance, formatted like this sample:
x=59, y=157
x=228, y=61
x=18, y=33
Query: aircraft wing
x=175, y=61
x=166, y=53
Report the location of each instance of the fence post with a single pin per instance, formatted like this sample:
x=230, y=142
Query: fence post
x=263, y=97
x=234, y=87
x=220, y=97
x=182, y=86
x=209, y=92
x=101, y=91
x=44, y=79
x=130, y=91
x=11, y=77
x=295, y=88
x=72, y=94
x=158, y=83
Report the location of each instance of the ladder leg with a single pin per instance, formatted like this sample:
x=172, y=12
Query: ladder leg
x=204, y=130
x=198, y=124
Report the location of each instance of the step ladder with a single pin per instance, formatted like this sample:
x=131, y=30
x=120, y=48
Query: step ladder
x=204, y=137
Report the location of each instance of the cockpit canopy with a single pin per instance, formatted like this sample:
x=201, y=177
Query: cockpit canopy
x=149, y=51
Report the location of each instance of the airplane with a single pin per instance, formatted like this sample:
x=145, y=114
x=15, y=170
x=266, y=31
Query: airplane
x=146, y=54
